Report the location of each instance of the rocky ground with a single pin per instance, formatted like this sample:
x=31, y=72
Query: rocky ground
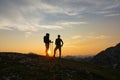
x=17, y=66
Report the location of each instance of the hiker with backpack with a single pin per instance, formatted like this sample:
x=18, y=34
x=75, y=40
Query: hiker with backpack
x=47, y=42
x=59, y=43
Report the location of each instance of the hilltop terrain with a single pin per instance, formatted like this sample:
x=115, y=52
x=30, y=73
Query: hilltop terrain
x=18, y=66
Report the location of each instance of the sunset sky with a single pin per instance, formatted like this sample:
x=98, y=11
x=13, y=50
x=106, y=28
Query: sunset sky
x=86, y=26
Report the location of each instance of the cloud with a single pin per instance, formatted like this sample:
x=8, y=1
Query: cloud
x=73, y=23
x=76, y=37
x=51, y=26
x=92, y=36
x=113, y=14
x=28, y=34
x=84, y=40
x=99, y=37
x=29, y=15
x=5, y=28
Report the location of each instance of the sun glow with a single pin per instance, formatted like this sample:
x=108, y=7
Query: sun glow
x=49, y=52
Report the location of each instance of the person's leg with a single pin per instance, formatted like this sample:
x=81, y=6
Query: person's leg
x=47, y=47
x=59, y=52
x=55, y=51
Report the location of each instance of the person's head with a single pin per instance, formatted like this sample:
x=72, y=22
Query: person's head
x=47, y=34
x=58, y=36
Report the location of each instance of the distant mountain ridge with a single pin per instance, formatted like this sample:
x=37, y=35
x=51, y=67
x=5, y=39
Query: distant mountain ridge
x=109, y=57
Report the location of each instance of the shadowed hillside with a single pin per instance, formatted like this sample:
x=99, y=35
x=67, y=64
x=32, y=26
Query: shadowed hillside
x=17, y=66
x=109, y=57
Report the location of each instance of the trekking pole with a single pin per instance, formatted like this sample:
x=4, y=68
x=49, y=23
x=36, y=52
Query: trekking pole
x=52, y=49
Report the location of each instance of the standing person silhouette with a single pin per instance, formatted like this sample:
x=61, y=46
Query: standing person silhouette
x=47, y=42
x=59, y=43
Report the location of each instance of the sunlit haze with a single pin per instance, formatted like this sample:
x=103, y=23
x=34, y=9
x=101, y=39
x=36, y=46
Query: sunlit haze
x=86, y=26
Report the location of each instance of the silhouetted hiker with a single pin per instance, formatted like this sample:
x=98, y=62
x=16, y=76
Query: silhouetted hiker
x=47, y=42
x=59, y=43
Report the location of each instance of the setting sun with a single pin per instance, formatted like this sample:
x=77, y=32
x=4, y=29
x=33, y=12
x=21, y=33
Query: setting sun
x=49, y=52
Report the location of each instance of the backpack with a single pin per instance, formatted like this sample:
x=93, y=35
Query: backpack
x=46, y=39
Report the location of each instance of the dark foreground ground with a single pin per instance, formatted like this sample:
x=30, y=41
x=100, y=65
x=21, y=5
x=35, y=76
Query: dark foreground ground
x=17, y=66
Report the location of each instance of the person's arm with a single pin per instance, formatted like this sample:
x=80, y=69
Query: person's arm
x=50, y=41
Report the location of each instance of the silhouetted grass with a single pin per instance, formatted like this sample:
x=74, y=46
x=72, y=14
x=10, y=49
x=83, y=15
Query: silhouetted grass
x=16, y=66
